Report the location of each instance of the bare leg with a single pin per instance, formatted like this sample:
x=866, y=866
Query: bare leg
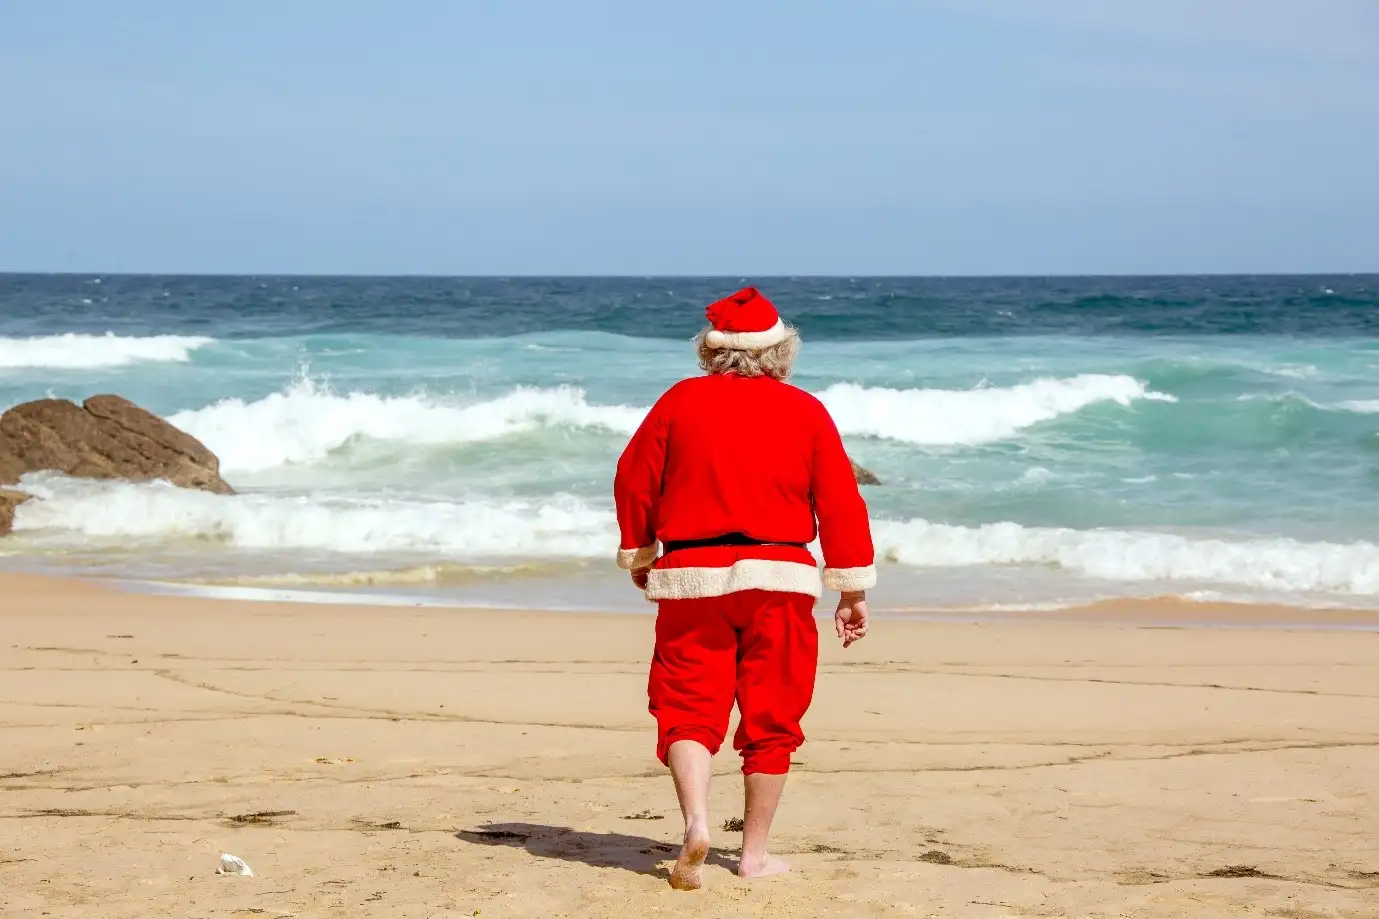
x=762, y=798
x=691, y=764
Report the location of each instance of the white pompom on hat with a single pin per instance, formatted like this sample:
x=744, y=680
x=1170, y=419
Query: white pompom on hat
x=746, y=321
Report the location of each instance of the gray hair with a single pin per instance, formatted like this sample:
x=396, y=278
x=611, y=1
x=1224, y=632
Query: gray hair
x=776, y=361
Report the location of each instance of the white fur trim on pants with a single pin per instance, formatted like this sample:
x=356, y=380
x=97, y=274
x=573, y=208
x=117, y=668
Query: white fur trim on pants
x=636, y=558
x=746, y=341
x=849, y=579
x=748, y=574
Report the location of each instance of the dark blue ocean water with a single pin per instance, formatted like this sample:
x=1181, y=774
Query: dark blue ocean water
x=827, y=309
x=1040, y=439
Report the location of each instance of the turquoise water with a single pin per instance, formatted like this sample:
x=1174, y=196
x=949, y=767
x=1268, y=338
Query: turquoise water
x=1040, y=442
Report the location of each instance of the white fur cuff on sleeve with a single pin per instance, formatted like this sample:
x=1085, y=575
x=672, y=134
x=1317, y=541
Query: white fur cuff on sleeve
x=847, y=579
x=629, y=559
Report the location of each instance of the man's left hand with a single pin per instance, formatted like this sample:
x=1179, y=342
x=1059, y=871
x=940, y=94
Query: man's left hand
x=639, y=576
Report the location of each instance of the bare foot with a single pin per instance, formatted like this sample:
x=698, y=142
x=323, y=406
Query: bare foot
x=689, y=867
x=763, y=867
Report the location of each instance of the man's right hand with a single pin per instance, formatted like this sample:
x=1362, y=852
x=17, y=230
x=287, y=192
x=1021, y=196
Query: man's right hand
x=639, y=576
x=851, y=619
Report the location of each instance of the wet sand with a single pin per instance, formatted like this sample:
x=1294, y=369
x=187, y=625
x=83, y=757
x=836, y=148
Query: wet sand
x=431, y=762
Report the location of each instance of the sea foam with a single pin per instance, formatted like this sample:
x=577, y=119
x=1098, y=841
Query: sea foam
x=1274, y=564
x=83, y=510
x=80, y=352
x=79, y=512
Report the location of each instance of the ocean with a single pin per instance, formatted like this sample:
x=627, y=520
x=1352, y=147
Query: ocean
x=1041, y=441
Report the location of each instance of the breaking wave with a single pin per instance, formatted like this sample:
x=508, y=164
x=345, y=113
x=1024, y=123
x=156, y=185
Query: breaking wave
x=946, y=417
x=307, y=422
x=75, y=351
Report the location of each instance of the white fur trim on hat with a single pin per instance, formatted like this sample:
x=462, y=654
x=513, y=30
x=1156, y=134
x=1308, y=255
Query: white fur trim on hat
x=747, y=574
x=746, y=341
x=849, y=579
x=629, y=559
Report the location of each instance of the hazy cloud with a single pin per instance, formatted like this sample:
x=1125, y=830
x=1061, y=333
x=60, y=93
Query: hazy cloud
x=1337, y=30
x=1306, y=59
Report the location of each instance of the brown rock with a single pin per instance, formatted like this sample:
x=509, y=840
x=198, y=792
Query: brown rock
x=10, y=468
x=106, y=438
x=54, y=434
x=137, y=421
x=9, y=500
x=864, y=476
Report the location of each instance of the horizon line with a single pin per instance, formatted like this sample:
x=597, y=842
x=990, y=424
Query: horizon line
x=11, y=272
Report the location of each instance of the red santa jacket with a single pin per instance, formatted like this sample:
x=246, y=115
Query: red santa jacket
x=724, y=454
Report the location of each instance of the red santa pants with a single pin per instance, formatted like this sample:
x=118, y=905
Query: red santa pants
x=758, y=647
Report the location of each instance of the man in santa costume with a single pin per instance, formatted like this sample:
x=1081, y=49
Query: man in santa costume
x=734, y=474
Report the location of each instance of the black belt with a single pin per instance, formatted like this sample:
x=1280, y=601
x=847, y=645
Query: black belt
x=728, y=539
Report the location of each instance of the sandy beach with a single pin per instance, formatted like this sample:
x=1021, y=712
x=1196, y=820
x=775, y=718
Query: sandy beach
x=433, y=762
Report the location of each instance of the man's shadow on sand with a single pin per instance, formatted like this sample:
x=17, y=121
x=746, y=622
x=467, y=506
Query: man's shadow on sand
x=599, y=850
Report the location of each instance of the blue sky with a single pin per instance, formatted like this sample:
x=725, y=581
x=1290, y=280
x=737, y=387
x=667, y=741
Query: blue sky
x=715, y=137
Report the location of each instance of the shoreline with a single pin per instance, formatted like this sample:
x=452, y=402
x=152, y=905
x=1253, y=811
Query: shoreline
x=1138, y=612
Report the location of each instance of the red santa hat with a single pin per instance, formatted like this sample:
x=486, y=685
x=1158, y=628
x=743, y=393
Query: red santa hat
x=746, y=321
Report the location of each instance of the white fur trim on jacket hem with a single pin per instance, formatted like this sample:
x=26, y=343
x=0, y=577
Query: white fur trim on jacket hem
x=636, y=558
x=845, y=579
x=747, y=574
x=746, y=341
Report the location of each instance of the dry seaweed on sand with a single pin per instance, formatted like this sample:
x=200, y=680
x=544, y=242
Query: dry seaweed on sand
x=258, y=818
x=1238, y=871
